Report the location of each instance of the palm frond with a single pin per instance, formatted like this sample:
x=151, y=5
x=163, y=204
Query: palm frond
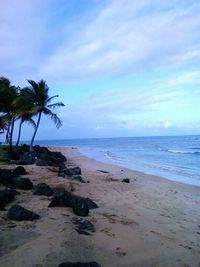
x=53, y=116
x=32, y=122
x=50, y=98
x=56, y=105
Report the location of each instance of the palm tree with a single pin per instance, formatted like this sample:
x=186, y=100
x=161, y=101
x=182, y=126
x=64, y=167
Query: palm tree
x=8, y=94
x=24, y=118
x=24, y=106
x=3, y=125
x=38, y=94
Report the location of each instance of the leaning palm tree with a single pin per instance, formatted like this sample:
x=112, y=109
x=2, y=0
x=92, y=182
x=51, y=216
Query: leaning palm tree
x=24, y=113
x=24, y=118
x=38, y=94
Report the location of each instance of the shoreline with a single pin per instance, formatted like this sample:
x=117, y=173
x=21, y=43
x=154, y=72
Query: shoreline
x=140, y=173
x=124, y=167
x=149, y=222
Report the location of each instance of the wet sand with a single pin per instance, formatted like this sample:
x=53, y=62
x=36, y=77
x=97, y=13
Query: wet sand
x=150, y=222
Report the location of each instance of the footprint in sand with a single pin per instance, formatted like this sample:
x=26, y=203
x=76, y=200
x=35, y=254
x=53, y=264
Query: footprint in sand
x=120, y=252
x=107, y=231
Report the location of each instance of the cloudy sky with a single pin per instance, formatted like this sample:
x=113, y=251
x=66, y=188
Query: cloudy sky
x=122, y=67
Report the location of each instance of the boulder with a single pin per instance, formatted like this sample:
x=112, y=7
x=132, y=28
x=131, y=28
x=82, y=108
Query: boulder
x=19, y=213
x=6, y=196
x=43, y=189
x=91, y=204
x=45, y=157
x=6, y=177
x=78, y=178
x=20, y=171
x=40, y=149
x=41, y=162
x=62, y=199
x=73, y=171
x=126, y=180
x=22, y=183
x=58, y=156
x=61, y=173
x=80, y=205
x=26, y=159
x=79, y=264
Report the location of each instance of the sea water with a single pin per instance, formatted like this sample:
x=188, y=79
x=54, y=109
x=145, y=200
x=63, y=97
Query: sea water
x=174, y=157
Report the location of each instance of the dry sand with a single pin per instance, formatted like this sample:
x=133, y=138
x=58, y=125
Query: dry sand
x=149, y=222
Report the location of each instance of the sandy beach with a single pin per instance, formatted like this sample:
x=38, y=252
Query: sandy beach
x=149, y=222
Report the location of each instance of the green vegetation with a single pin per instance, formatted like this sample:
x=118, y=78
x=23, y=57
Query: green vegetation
x=25, y=104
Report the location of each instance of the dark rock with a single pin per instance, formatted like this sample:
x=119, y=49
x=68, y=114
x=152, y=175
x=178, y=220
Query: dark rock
x=26, y=159
x=62, y=199
x=6, y=196
x=43, y=189
x=41, y=162
x=22, y=183
x=19, y=213
x=59, y=164
x=78, y=178
x=83, y=225
x=61, y=173
x=79, y=264
x=20, y=171
x=73, y=171
x=45, y=157
x=38, y=149
x=58, y=156
x=126, y=180
x=91, y=204
x=25, y=147
x=41, y=150
x=80, y=205
x=6, y=177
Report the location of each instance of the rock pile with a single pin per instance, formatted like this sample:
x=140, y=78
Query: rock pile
x=41, y=156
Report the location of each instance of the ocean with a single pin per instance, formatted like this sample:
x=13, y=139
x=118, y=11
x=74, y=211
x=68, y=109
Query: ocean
x=173, y=157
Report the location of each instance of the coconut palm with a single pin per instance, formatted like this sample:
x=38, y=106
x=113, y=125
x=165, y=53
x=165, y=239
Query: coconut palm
x=24, y=113
x=24, y=118
x=3, y=125
x=38, y=94
x=8, y=94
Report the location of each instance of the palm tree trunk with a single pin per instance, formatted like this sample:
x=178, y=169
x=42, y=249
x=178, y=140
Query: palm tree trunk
x=11, y=135
x=7, y=134
x=19, y=133
x=36, y=128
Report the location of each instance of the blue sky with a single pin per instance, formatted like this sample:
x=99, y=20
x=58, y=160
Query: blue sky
x=122, y=67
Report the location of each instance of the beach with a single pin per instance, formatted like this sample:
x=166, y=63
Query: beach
x=149, y=222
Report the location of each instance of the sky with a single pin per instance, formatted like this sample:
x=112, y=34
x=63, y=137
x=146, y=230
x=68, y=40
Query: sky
x=121, y=67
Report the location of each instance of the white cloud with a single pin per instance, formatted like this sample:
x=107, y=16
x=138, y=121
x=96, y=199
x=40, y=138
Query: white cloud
x=125, y=36
x=184, y=78
x=121, y=109
x=22, y=37
x=120, y=36
x=99, y=128
x=167, y=124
